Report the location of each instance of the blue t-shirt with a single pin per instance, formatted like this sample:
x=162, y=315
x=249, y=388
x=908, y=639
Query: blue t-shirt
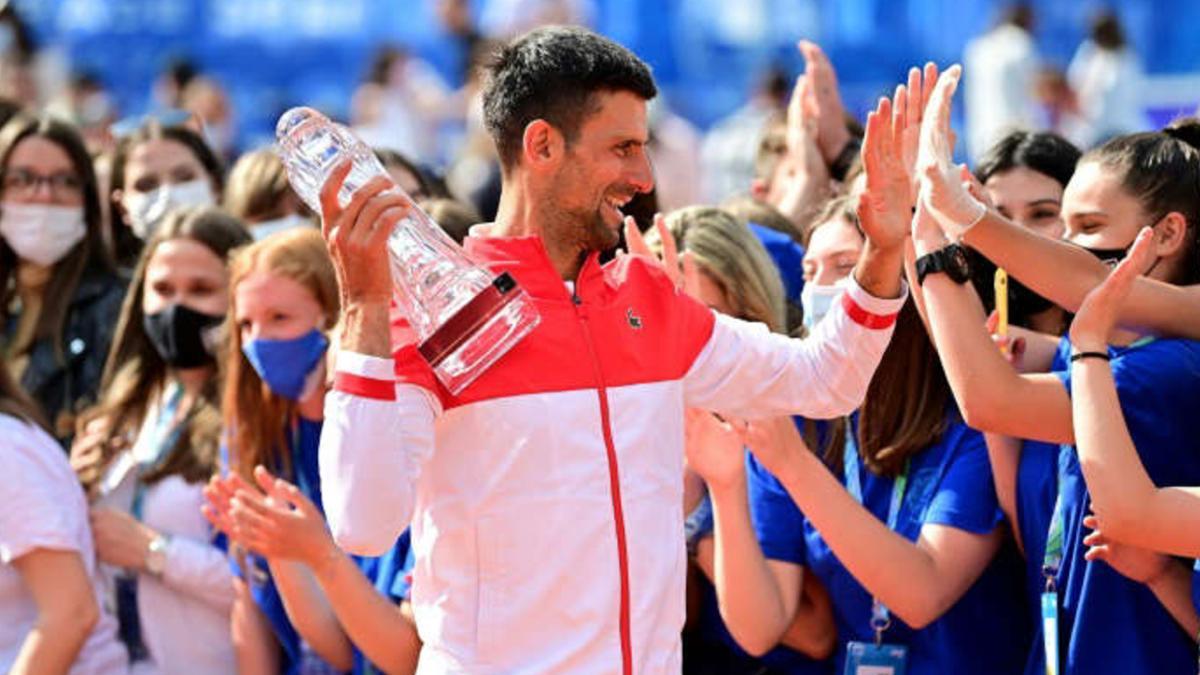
x=306, y=474
x=1037, y=471
x=788, y=257
x=1107, y=623
x=950, y=483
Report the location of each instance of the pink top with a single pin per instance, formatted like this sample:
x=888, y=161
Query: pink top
x=44, y=507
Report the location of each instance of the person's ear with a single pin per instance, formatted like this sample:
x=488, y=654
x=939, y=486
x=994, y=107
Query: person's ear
x=542, y=145
x=1170, y=233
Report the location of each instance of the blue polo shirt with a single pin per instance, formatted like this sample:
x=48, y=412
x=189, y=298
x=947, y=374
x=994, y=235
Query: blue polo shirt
x=767, y=508
x=1107, y=623
x=950, y=483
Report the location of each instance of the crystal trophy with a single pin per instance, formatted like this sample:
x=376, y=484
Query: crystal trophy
x=465, y=317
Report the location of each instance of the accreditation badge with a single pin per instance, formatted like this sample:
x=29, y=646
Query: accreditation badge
x=868, y=658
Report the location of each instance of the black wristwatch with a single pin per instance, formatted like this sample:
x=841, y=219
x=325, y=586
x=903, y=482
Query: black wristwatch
x=952, y=260
x=845, y=159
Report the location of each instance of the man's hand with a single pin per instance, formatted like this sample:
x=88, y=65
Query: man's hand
x=357, y=238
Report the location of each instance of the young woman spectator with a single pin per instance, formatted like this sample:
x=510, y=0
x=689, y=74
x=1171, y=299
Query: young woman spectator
x=155, y=169
x=50, y=611
x=258, y=192
x=730, y=271
x=152, y=443
x=896, y=517
x=1024, y=175
x=59, y=290
x=1126, y=184
x=1124, y=498
x=285, y=301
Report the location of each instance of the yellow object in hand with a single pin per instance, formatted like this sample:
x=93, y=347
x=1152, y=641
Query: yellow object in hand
x=1001, y=292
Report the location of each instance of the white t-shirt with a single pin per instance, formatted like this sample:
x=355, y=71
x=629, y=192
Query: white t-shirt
x=44, y=508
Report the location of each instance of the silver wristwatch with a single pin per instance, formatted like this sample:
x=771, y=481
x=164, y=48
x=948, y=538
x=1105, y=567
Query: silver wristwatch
x=156, y=555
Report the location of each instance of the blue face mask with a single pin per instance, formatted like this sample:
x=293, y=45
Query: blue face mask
x=286, y=364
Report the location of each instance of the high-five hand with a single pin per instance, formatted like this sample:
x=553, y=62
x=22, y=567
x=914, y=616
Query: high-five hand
x=883, y=208
x=941, y=188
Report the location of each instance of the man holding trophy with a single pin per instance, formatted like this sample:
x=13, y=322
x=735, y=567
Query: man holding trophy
x=545, y=494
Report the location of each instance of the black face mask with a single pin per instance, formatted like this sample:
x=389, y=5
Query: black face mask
x=177, y=333
x=1109, y=256
x=1023, y=303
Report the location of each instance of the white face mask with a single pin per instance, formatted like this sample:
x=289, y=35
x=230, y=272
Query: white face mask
x=269, y=227
x=42, y=234
x=817, y=300
x=146, y=209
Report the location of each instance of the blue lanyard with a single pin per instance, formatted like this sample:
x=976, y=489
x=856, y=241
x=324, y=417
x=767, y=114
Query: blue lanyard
x=881, y=618
x=166, y=435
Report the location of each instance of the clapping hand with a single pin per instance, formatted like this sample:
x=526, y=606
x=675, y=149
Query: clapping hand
x=832, y=134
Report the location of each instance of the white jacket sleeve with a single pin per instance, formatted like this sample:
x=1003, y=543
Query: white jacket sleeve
x=748, y=372
x=200, y=570
x=377, y=435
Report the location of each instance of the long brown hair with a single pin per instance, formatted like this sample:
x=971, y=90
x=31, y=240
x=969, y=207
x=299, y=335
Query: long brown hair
x=906, y=406
x=257, y=419
x=726, y=250
x=15, y=402
x=135, y=373
x=89, y=256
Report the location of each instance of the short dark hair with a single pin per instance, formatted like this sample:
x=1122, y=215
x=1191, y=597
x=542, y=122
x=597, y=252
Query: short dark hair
x=1042, y=151
x=552, y=74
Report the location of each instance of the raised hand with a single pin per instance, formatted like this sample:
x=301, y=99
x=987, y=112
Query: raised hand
x=885, y=207
x=941, y=187
x=680, y=269
x=1097, y=316
x=908, y=110
x=832, y=134
x=803, y=170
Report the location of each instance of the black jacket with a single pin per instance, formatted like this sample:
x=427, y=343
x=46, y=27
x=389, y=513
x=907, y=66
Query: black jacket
x=63, y=387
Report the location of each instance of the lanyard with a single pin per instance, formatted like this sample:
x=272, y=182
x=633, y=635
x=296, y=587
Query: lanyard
x=881, y=618
x=166, y=435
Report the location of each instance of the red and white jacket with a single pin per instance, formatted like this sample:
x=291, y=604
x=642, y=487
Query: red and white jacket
x=546, y=500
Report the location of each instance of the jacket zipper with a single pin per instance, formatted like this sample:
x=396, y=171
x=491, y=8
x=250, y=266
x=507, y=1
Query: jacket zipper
x=614, y=480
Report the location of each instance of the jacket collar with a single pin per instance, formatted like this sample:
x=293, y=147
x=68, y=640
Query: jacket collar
x=527, y=260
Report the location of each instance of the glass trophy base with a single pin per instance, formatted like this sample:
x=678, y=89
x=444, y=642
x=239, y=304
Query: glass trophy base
x=479, y=333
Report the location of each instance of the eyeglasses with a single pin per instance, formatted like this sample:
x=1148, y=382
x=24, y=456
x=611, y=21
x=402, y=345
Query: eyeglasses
x=23, y=182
